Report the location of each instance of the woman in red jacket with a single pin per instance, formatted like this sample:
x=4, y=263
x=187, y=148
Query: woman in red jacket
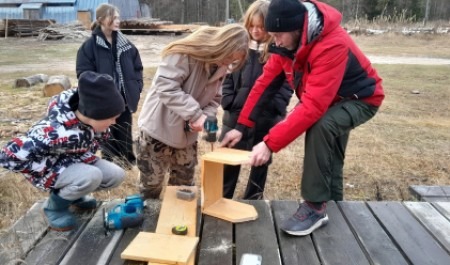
x=338, y=90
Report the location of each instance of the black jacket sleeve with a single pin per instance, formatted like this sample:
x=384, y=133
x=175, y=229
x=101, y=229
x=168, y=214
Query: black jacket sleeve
x=86, y=58
x=228, y=92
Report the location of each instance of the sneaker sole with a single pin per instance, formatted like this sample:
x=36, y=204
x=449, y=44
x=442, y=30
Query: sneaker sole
x=318, y=224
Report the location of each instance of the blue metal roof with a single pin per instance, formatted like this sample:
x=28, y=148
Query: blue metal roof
x=67, y=11
x=38, y=1
x=61, y=14
x=31, y=6
x=10, y=13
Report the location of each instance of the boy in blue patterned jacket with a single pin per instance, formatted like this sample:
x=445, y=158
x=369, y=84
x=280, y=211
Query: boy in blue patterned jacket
x=57, y=154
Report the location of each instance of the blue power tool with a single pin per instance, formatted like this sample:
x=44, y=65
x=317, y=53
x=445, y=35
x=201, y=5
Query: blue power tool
x=124, y=215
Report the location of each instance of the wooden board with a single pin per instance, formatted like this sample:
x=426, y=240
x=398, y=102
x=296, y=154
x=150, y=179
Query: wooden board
x=53, y=247
x=175, y=211
x=296, y=249
x=231, y=211
x=258, y=237
x=413, y=239
x=166, y=249
x=216, y=246
x=212, y=182
x=443, y=208
x=431, y=193
x=21, y=238
x=436, y=223
x=93, y=246
x=336, y=243
x=378, y=245
x=228, y=156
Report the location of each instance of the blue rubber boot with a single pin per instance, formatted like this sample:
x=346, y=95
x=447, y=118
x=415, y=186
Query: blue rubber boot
x=56, y=210
x=85, y=203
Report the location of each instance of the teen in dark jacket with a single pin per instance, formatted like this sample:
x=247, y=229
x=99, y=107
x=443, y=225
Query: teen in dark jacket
x=235, y=91
x=338, y=89
x=108, y=51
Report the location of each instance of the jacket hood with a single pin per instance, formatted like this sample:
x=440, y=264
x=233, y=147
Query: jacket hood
x=322, y=19
x=62, y=107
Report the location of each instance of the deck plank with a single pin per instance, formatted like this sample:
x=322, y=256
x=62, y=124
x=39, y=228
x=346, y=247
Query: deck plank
x=52, y=248
x=436, y=223
x=293, y=250
x=443, y=208
x=413, y=239
x=93, y=246
x=430, y=193
x=216, y=244
x=23, y=235
x=329, y=241
x=371, y=235
x=258, y=236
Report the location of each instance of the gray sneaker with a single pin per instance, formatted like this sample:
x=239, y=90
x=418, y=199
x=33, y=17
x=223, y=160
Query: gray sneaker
x=305, y=220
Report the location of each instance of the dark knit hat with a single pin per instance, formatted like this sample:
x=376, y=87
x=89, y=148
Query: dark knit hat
x=285, y=16
x=99, y=97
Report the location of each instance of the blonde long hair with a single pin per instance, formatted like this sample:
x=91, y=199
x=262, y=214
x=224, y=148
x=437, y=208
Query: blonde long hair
x=212, y=45
x=259, y=8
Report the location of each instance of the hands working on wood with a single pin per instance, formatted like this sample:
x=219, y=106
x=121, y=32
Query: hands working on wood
x=260, y=152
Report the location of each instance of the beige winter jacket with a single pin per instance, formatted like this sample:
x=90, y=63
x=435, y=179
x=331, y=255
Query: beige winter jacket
x=181, y=91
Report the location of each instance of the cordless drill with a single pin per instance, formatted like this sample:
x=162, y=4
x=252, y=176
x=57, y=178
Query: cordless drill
x=211, y=129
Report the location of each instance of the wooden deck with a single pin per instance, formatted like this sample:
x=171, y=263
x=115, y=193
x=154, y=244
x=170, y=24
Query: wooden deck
x=431, y=193
x=358, y=233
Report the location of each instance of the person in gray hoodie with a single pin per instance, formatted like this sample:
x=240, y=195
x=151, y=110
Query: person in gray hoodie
x=185, y=90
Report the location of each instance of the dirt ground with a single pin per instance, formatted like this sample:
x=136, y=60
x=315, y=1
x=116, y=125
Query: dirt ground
x=150, y=47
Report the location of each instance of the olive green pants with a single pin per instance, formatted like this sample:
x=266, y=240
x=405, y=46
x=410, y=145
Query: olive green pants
x=325, y=144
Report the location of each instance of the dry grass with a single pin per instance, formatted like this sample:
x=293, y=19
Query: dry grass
x=407, y=142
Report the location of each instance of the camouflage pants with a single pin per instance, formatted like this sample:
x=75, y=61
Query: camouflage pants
x=155, y=159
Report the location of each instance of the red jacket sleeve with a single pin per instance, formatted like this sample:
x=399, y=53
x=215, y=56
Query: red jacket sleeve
x=320, y=87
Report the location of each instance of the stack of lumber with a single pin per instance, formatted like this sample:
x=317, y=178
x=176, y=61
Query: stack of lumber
x=25, y=27
x=58, y=31
x=154, y=26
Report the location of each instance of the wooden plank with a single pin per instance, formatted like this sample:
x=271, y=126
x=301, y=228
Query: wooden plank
x=23, y=235
x=228, y=156
x=175, y=211
x=52, y=248
x=212, y=182
x=166, y=249
x=293, y=249
x=93, y=246
x=216, y=246
x=377, y=244
x=151, y=213
x=258, y=237
x=436, y=223
x=434, y=199
x=336, y=243
x=443, y=208
x=231, y=211
x=418, y=245
x=431, y=193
